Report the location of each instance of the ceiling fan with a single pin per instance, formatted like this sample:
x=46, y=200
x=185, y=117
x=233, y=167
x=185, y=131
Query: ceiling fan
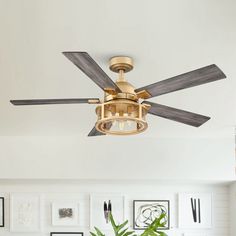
x=121, y=112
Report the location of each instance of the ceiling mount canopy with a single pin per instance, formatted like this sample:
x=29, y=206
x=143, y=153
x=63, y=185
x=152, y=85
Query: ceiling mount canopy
x=121, y=112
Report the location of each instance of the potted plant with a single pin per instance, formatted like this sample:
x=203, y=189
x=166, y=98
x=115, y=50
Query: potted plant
x=123, y=230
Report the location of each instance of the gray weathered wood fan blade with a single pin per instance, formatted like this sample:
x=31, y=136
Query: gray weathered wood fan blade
x=190, y=79
x=95, y=132
x=54, y=101
x=178, y=115
x=86, y=64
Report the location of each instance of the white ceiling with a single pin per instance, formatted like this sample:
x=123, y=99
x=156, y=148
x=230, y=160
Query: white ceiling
x=165, y=38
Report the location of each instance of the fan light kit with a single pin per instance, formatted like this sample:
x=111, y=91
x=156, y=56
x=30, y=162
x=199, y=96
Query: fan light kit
x=121, y=112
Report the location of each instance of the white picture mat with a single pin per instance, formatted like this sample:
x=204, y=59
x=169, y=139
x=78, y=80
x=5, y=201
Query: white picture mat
x=97, y=213
x=66, y=221
x=185, y=211
x=1, y=212
x=25, y=212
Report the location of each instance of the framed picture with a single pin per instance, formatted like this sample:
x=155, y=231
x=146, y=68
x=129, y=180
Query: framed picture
x=65, y=213
x=146, y=211
x=25, y=215
x=195, y=210
x=2, y=212
x=101, y=206
x=66, y=233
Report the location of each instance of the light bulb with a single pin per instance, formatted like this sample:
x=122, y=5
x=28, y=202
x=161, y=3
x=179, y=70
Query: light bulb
x=121, y=125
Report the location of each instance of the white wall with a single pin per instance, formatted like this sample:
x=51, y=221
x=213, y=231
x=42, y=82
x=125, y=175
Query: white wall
x=77, y=157
x=232, y=213
x=80, y=190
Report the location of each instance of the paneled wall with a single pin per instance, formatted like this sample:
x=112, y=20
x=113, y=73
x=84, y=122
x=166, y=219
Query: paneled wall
x=80, y=191
x=232, y=212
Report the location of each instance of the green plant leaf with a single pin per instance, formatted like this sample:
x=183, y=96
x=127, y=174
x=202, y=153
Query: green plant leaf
x=93, y=234
x=112, y=221
x=162, y=224
x=123, y=232
x=99, y=233
x=152, y=229
x=120, y=229
x=130, y=233
x=122, y=225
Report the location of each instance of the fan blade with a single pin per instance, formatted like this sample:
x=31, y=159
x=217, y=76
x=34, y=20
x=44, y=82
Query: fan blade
x=86, y=63
x=55, y=101
x=95, y=132
x=193, y=78
x=178, y=115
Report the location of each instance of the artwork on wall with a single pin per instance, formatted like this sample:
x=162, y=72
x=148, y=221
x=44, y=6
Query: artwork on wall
x=65, y=213
x=146, y=211
x=25, y=213
x=66, y=233
x=2, y=212
x=101, y=206
x=195, y=210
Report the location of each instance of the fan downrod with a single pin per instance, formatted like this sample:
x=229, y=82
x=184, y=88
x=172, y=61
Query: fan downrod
x=121, y=63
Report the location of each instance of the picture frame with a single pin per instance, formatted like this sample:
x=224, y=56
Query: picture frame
x=98, y=216
x=2, y=212
x=25, y=212
x=195, y=210
x=145, y=211
x=66, y=233
x=65, y=213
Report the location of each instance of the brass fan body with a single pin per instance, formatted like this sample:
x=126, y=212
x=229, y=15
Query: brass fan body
x=121, y=109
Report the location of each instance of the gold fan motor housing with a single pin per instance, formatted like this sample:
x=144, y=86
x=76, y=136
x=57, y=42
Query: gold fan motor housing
x=119, y=63
x=127, y=92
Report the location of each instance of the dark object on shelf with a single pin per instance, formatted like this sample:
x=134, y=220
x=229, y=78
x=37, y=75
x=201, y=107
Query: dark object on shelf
x=69, y=233
x=2, y=223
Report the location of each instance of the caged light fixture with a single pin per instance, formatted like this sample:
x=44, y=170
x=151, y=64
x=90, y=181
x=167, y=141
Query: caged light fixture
x=121, y=113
